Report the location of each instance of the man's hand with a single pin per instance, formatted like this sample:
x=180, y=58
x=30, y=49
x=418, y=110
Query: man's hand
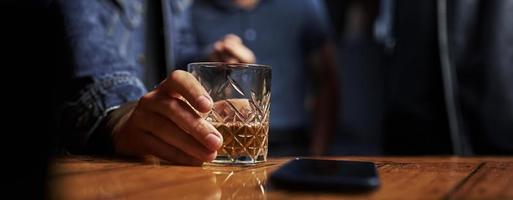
x=230, y=49
x=164, y=124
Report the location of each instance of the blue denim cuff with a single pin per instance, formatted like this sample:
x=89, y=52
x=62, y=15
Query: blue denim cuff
x=83, y=116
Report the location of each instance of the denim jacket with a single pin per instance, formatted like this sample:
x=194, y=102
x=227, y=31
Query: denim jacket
x=105, y=40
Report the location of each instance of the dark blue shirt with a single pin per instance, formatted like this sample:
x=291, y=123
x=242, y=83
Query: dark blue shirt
x=281, y=33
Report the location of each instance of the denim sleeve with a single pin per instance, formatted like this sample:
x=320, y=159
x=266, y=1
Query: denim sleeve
x=104, y=40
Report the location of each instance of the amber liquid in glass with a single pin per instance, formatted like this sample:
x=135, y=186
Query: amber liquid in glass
x=243, y=143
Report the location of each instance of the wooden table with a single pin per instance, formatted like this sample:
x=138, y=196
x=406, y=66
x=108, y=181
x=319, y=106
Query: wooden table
x=401, y=178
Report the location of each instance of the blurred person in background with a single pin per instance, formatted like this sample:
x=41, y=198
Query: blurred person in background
x=295, y=38
x=446, y=74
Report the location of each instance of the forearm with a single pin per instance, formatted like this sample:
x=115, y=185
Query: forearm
x=325, y=121
x=326, y=103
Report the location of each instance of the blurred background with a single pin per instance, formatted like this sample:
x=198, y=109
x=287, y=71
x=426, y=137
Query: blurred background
x=361, y=79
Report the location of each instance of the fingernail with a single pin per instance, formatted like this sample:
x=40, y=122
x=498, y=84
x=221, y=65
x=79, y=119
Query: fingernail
x=205, y=102
x=211, y=156
x=213, y=142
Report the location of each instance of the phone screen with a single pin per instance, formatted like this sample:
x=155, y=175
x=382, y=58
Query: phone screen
x=314, y=174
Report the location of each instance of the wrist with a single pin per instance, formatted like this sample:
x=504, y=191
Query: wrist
x=116, y=118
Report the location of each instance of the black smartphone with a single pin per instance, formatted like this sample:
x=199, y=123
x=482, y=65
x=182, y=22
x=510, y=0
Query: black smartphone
x=326, y=175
